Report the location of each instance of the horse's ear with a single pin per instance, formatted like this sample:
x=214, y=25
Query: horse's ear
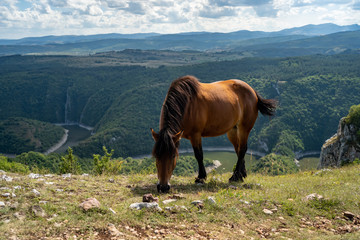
x=178, y=136
x=154, y=135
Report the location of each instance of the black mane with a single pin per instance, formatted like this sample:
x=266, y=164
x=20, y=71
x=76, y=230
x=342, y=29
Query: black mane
x=179, y=95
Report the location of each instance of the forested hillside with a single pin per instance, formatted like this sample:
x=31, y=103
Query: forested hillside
x=123, y=102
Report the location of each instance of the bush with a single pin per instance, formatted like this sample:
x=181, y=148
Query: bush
x=354, y=116
x=12, y=166
x=69, y=163
x=105, y=165
x=273, y=164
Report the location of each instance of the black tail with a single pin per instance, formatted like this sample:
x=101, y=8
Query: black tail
x=266, y=106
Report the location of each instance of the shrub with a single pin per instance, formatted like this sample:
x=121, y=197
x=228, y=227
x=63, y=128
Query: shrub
x=12, y=166
x=354, y=116
x=105, y=165
x=273, y=164
x=69, y=163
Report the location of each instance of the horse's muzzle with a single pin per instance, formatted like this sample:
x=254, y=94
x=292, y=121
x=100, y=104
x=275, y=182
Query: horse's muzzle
x=163, y=188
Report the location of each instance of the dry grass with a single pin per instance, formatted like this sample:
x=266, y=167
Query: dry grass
x=237, y=214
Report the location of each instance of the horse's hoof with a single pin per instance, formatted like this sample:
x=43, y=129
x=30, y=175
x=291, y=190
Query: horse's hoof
x=235, y=178
x=199, y=180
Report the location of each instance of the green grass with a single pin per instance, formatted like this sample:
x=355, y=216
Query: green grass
x=237, y=214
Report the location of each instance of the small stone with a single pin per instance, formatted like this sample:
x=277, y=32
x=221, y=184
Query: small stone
x=113, y=231
x=177, y=196
x=2, y=204
x=85, y=175
x=313, y=196
x=90, y=203
x=196, y=202
x=349, y=215
x=49, y=183
x=19, y=216
x=34, y=175
x=42, y=202
x=67, y=175
x=111, y=210
x=167, y=201
x=267, y=211
x=36, y=192
x=150, y=198
x=142, y=205
x=232, y=187
x=6, y=195
x=245, y=202
x=17, y=187
x=211, y=200
x=38, y=211
x=59, y=190
x=111, y=180
x=7, y=178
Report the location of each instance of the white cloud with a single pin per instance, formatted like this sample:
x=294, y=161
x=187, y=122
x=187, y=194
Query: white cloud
x=20, y=18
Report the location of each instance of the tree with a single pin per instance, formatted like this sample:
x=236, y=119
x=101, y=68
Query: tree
x=105, y=165
x=69, y=163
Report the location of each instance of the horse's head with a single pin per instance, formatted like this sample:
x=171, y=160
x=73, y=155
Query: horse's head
x=166, y=153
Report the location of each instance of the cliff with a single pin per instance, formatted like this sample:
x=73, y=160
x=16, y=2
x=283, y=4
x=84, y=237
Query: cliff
x=343, y=147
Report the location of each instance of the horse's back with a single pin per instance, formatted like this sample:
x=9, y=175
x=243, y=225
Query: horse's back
x=219, y=107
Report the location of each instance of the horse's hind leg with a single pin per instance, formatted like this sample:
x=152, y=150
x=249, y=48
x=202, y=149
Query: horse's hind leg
x=198, y=152
x=239, y=140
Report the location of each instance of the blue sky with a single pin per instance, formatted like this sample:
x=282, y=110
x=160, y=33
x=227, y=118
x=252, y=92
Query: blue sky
x=28, y=18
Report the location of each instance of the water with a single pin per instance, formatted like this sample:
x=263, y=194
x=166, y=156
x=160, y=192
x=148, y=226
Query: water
x=76, y=134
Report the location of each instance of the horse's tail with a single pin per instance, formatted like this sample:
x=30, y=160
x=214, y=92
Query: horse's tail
x=266, y=106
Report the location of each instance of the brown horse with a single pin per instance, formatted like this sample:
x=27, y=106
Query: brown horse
x=193, y=110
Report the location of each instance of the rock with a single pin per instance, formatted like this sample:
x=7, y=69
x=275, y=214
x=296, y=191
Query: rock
x=85, y=175
x=196, y=202
x=349, y=215
x=2, y=204
x=150, y=198
x=211, y=200
x=267, y=211
x=176, y=209
x=2, y=171
x=90, y=203
x=142, y=205
x=177, y=196
x=313, y=196
x=19, y=216
x=17, y=187
x=43, y=202
x=6, y=178
x=245, y=202
x=34, y=175
x=6, y=195
x=343, y=147
x=111, y=180
x=38, y=211
x=167, y=201
x=232, y=187
x=113, y=231
x=36, y=192
x=14, y=205
x=67, y=175
x=111, y=210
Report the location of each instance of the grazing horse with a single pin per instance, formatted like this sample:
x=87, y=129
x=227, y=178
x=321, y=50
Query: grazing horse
x=193, y=110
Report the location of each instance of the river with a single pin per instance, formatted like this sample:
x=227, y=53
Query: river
x=76, y=134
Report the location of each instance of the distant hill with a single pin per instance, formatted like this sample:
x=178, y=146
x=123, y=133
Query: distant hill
x=200, y=41
x=18, y=135
x=123, y=102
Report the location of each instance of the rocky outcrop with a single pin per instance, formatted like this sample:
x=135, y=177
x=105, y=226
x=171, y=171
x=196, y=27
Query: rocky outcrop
x=343, y=147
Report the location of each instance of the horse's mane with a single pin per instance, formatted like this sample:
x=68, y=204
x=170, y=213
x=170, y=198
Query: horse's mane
x=179, y=95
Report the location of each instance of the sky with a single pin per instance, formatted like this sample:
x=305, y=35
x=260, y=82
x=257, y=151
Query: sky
x=33, y=18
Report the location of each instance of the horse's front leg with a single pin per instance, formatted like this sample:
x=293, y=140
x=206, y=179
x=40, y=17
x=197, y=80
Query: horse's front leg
x=198, y=152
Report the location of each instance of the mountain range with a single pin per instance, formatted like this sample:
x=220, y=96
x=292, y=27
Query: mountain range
x=324, y=38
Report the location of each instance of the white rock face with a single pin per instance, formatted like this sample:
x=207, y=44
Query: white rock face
x=343, y=147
